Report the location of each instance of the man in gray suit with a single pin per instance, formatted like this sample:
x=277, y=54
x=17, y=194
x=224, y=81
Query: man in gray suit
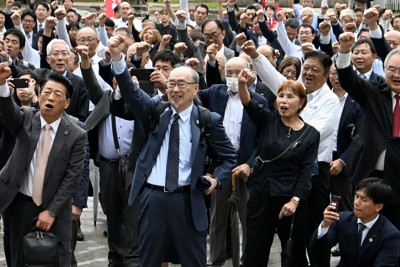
x=47, y=196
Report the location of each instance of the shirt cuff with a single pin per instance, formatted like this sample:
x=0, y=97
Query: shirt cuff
x=117, y=94
x=322, y=231
x=343, y=60
x=4, y=90
x=325, y=39
x=377, y=34
x=119, y=66
x=180, y=26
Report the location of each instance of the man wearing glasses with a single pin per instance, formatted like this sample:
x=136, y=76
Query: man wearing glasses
x=170, y=165
x=58, y=59
x=379, y=154
x=28, y=18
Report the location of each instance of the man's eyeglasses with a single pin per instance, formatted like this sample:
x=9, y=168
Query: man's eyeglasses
x=29, y=21
x=392, y=70
x=63, y=54
x=181, y=85
x=213, y=35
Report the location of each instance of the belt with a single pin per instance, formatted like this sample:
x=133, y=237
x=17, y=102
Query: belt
x=180, y=189
x=111, y=162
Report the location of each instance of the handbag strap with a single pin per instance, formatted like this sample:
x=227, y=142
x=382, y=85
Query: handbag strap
x=294, y=144
x=291, y=227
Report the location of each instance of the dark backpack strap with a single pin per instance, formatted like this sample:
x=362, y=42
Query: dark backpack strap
x=154, y=117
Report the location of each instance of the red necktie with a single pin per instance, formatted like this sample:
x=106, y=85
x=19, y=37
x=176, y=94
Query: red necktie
x=396, y=117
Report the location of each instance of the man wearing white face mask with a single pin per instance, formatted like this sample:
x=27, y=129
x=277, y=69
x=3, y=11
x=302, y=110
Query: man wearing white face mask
x=224, y=99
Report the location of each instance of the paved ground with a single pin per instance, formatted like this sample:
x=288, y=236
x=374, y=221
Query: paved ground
x=93, y=251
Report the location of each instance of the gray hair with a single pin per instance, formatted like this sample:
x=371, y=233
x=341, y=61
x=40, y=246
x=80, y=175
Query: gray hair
x=49, y=47
x=347, y=13
x=392, y=53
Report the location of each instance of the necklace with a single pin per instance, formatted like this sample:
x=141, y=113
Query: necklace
x=289, y=133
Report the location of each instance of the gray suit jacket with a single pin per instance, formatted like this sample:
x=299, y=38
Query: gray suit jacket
x=64, y=167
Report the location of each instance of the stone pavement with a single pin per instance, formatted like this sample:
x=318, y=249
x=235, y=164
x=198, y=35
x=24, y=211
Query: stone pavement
x=93, y=251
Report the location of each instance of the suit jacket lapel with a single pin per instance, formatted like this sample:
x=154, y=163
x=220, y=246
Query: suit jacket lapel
x=223, y=93
x=387, y=102
x=62, y=134
x=370, y=237
x=348, y=105
x=34, y=137
x=195, y=128
x=160, y=131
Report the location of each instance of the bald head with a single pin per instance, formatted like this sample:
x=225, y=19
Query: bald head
x=393, y=39
x=268, y=52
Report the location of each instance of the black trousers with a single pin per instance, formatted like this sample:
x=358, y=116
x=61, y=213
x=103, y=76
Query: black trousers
x=317, y=203
x=262, y=220
x=122, y=219
x=22, y=211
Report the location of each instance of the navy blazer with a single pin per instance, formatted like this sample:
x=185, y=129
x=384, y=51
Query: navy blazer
x=381, y=246
x=349, y=125
x=215, y=99
x=142, y=106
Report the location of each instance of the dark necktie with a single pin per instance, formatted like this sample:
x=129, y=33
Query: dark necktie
x=396, y=117
x=172, y=174
x=361, y=228
x=40, y=27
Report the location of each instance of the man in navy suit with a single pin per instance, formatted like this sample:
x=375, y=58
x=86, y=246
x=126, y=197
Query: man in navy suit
x=172, y=207
x=366, y=238
x=224, y=99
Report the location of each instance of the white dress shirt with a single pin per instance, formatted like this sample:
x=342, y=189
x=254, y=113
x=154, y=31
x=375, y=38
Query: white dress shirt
x=233, y=119
x=320, y=111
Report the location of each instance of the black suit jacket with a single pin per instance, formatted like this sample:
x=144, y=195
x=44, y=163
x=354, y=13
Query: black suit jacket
x=63, y=169
x=381, y=246
x=376, y=101
x=349, y=125
x=79, y=105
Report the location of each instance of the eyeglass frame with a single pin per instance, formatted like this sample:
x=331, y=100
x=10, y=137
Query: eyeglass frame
x=180, y=84
x=208, y=36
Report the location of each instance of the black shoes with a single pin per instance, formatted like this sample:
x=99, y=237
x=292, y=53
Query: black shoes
x=80, y=236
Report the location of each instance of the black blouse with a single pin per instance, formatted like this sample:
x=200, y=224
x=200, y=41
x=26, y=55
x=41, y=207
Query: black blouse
x=287, y=174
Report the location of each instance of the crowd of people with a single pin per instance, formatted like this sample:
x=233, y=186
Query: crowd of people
x=295, y=113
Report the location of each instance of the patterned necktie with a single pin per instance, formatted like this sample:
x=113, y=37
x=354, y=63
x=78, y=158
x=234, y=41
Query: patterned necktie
x=42, y=156
x=172, y=174
x=40, y=27
x=396, y=117
x=361, y=228
x=362, y=76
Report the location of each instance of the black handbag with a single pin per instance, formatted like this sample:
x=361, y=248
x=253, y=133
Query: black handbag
x=287, y=254
x=40, y=249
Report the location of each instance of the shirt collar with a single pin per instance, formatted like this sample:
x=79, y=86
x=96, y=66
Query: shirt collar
x=369, y=224
x=185, y=114
x=54, y=124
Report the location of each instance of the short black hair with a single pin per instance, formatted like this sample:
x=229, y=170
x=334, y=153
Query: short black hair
x=73, y=24
x=72, y=10
x=2, y=12
x=322, y=57
x=376, y=189
x=305, y=25
x=270, y=7
x=364, y=41
x=17, y=4
x=17, y=33
x=34, y=76
x=167, y=56
x=292, y=23
x=29, y=12
x=217, y=21
x=57, y=77
x=116, y=9
x=43, y=4
x=109, y=22
x=203, y=6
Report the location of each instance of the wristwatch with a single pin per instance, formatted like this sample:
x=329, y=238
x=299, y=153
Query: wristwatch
x=52, y=214
x=219, y=184
x=296, y=199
